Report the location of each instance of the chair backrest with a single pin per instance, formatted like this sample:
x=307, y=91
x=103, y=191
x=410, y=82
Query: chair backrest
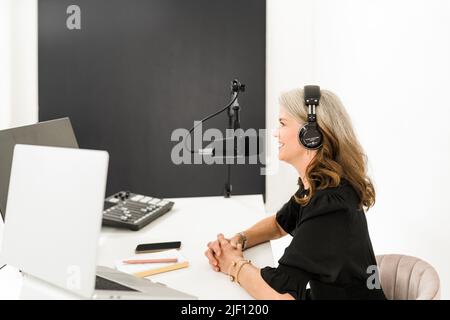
x=408, y=278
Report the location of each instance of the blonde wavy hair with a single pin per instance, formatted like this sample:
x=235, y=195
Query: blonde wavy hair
x=341, y=155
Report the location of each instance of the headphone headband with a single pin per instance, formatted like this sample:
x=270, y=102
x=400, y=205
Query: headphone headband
x=312, y=95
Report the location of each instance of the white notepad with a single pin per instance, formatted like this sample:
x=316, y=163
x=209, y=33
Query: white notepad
x=148, y=269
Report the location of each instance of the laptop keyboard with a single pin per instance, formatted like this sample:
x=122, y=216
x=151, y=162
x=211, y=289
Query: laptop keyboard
x=105, y=284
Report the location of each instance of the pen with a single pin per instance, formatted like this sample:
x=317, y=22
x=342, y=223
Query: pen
x=167, y=260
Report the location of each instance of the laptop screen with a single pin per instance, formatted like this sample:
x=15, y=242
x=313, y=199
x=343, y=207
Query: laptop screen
x=55, y=207
x=55, y=133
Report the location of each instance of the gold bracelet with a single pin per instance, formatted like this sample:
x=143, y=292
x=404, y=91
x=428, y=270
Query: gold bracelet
x=233, y=264
x=240, y=268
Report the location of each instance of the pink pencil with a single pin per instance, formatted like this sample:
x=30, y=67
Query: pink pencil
x=167, y=260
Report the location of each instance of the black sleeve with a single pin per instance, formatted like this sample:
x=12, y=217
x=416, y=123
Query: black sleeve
x=317, y=250
x=287, y=216
x=283, y=282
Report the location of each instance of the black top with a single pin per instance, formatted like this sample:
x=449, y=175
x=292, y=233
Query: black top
x=330, y=249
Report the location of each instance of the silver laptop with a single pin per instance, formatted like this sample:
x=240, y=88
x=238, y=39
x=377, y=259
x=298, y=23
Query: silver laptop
x=53, y=224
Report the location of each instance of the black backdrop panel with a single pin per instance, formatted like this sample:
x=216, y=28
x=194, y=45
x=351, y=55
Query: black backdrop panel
x=139, y=69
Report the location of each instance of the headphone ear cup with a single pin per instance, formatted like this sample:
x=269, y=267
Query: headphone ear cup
x=310, y=136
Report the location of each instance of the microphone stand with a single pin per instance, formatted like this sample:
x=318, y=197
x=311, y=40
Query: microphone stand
x=233, y=109
x=233, y=123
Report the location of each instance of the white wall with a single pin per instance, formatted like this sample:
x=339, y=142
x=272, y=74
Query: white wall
x=18, y=63
x=5, y=49
x=389, y=61
x=24, y=63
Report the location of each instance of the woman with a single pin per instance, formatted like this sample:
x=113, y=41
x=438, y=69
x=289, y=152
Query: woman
x=331, y=248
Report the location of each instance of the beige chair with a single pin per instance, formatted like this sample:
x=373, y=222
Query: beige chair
x=408, y=278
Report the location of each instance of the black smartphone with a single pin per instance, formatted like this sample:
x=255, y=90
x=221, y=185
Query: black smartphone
x=154, y=247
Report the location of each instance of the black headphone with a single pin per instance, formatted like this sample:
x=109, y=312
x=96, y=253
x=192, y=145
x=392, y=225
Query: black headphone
x=310, y=135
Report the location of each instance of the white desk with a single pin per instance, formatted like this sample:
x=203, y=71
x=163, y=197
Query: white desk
x=194, y=222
